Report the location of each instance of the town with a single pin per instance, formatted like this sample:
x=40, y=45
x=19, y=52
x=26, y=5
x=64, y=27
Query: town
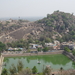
x=55, y=47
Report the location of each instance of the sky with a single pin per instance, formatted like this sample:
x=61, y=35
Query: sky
x=34, y=8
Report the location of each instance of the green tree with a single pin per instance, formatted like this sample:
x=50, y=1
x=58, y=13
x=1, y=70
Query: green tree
x=48, y=15
x=42, y=38
x=47, y=71
x=47, y=40
x=27, y=45
x=73, y=63
x=9, y=44
x=2, y=47
x=36, y=41
x=43, y=43
x=61, y=69
x=12, y=70
x=73, y=52
x=62, y=27
x=19, y=66
x=30, y=40
x=26, y=71
x=39, y=49
x=67, y=49
x=34, y=70
x=4, y=72
x=45, y=49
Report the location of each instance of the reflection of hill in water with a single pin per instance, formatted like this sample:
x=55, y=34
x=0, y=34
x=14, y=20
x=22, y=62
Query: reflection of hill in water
x=54, y=59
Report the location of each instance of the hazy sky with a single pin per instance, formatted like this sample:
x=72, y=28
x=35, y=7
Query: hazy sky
x=34, y=8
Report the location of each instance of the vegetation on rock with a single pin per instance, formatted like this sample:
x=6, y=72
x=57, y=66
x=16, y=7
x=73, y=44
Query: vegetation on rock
x=58, y=25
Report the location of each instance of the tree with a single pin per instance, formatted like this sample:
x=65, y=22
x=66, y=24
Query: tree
x=13, y=70
x=73, y=52
x=27, y=45
x=48, y=15
x=73, y=63
x=47, y=71
x=42, y=38
x=62, y=27
x=47, y=40
x=34, y=70
x=26, y=71
x=4, y=72
x=2, y=47
x=36, y=41
x=45, y=49
x=39, y=49
x=61, y=69
x=43, y=43
x=67, y=49
x=19, y=66
x=30, y=40
x=9, y=44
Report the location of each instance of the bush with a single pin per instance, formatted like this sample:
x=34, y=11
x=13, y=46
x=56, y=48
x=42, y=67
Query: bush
x=45, y=49
x=34, y=70
x=4, y=72
x=73, y=52
x=67, y=49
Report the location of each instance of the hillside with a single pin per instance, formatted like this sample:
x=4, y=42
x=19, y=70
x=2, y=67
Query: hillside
x=58, y=25
x=61, y=25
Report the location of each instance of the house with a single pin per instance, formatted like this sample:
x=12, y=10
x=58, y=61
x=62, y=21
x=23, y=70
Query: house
x=56, y=42
x=49, y=44
x=33, y=46
x=39, y=46
x=10, y=20
x=72, y=46
x=55, y=45
x=63, y=45
x=10, y=49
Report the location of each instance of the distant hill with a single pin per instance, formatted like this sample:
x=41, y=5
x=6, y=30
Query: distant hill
x=58, y=25
x=23, y=18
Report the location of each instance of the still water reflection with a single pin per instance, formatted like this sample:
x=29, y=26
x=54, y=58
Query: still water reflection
x=55, y=61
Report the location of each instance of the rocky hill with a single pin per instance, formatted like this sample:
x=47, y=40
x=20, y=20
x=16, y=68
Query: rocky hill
x=61, y=25
x=58, y=25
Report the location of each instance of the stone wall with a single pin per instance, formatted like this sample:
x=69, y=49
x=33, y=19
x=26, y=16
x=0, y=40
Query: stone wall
x=32, y=54
x=70, y=55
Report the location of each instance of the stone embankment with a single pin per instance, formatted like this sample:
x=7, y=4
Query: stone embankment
x=32, y=54
x=1, y=63
x=70, y=55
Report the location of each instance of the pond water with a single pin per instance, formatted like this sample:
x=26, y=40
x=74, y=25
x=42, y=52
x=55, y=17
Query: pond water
x=55, y=61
